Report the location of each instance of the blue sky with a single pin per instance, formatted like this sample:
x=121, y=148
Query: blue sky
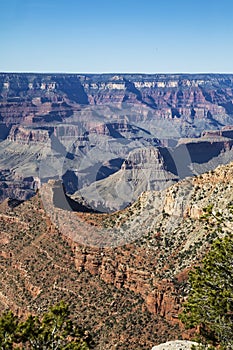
x=148, y=36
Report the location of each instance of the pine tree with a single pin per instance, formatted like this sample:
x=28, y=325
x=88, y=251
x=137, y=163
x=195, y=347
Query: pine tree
x=8, y=330
x=54, y=331
x=210, y=302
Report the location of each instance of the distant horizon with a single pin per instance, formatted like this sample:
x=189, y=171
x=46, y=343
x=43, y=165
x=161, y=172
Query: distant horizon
x=117, y=73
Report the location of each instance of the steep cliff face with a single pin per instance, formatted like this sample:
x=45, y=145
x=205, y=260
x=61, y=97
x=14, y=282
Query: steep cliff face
x=16, y=186
x=38, y=269
x=28, y=136
x=155, y=168
x=134, y=288
x=226, y=131
x=144, y=169
x=82, y=123
x=109, y=164
x=125, y=271
x=191, y=99
x=149, y=247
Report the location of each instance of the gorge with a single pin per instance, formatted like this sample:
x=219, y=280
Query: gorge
x=90, y=130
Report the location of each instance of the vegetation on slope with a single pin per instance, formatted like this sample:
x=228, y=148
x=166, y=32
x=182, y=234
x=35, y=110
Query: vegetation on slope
x=38, y=269
x=210, y=302
x=55, y=330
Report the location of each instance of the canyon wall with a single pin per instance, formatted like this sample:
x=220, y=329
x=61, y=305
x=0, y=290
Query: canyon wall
x=82, y=124
x=43, y=98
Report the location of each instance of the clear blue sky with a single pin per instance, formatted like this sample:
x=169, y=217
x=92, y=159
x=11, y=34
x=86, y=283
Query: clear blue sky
x=150, y=36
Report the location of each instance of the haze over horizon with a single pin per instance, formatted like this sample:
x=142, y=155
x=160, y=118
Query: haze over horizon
x=116, y=37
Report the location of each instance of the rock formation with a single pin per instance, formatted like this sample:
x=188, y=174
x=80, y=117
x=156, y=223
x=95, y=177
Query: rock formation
x=52, y=125
x=176, y=345
x=189, y=100
x=132, y=285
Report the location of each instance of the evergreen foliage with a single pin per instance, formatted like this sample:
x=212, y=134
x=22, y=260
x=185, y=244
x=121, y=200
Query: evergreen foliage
x=210, y=302
x=55, y=330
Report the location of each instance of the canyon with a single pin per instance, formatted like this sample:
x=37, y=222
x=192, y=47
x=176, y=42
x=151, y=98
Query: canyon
x=105, y=181
x=96, y=131
x=122, y=273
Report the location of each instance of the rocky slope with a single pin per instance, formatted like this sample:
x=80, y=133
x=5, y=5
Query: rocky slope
x=84, y=128
x=123, y=273
x=110, y=165
x=144, y=169
x=38, y=269
x=151, y=168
